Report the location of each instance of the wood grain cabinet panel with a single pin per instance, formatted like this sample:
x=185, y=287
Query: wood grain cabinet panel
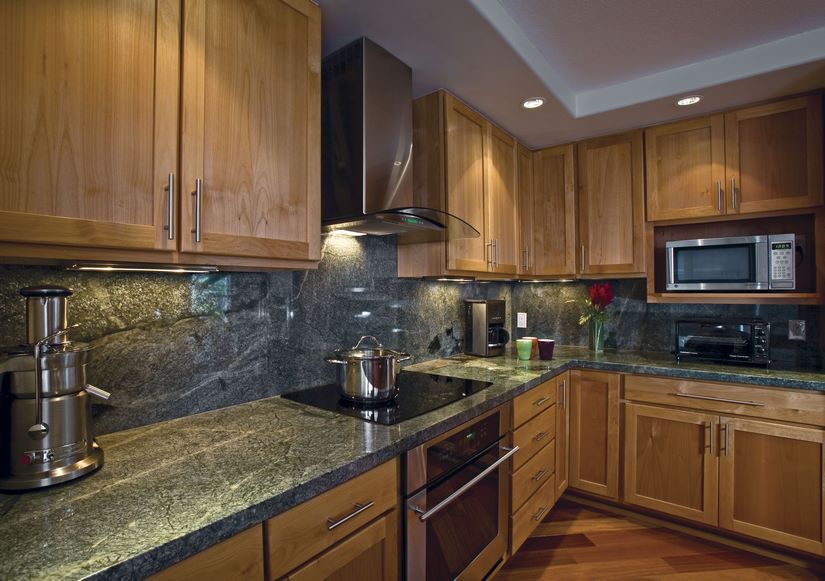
x=533, y=402
x=525, y=210
x=685, y=165
x=562, y=433
x=771, y=482
x=251, y=103
x=88, y=122
x=594, y=432
x=773, y=154
x=611, y=205
x=239, y=558
x=670, y=461
x=502, y=202
x=525, y=520
x=551, y=250
x=533, y=436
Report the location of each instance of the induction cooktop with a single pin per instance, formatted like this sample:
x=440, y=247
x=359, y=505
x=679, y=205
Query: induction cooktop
x=419, y=393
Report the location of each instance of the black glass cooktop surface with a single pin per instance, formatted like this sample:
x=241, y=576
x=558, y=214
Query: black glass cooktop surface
x=419, y=393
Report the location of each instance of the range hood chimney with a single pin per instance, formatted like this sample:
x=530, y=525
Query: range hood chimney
x=366, y=148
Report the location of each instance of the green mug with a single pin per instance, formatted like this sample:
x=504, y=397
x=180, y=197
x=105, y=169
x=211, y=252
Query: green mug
x=524, y=348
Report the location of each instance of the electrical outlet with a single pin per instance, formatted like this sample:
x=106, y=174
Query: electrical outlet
x=796, y=330
x=521, y=320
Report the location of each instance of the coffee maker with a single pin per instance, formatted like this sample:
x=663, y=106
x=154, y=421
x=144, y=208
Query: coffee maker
x=484, y=321
x=45, y=410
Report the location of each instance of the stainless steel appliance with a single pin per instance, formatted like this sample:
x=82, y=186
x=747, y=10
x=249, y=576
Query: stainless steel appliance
x=484, y=324
x=366, y=148
x=740, y=263
x=456, y=495
x=45, y=412
x=367, y=374
x=729, y=341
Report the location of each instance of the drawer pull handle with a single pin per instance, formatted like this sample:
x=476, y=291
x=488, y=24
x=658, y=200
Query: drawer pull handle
x=359, y=508
x=540, y=436
x=721, y=399
x=424, y=515
x=538, y=516
x=539, y=475
x=542, y=401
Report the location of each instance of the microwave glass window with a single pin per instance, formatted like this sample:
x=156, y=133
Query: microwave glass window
x=731, y=263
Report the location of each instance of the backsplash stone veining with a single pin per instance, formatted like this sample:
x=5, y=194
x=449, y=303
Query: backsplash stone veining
x=167, y=346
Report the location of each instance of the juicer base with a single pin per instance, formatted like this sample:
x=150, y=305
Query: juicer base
x=50, y=477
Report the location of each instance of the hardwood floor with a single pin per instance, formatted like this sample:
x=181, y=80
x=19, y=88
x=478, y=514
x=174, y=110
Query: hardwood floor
x=579, y=542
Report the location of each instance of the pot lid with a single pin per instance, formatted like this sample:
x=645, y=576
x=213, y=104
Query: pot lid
x=377, y=351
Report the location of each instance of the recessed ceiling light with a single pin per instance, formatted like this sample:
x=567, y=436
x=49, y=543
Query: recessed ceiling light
x=533, y=102
x=689, y=100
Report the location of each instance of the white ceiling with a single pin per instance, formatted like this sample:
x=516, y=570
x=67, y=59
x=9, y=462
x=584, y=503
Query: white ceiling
x=604, y=65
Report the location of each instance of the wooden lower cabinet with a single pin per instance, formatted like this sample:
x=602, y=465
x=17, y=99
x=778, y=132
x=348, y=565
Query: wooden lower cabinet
x=370, y=553
x=670, y=461
x=238, y=558
x=594, y=432
x=562, y=433
x=525, y=520
x=771, y=482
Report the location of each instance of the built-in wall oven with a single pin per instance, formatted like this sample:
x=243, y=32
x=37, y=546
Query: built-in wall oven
x=456, y=492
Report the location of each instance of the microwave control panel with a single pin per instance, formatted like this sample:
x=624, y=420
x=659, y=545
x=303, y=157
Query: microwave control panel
x=782, y=262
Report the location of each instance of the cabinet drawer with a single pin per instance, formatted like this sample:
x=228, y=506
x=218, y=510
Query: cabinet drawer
x=533, y=436
x=789, y=405
x=528, y=517
x=303, y=532
x=533, y=475
x=533, y=402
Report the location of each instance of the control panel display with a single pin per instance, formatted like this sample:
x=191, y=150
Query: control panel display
x=782, y=265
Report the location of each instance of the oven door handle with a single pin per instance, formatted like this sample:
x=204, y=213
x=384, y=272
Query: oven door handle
x=423, y=515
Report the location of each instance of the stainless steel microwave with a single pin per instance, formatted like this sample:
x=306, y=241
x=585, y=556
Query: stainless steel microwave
x=740, y=263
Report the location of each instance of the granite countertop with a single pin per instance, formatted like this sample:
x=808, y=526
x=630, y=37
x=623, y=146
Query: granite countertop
x=171, y=489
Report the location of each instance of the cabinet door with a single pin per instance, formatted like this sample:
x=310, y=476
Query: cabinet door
x=611, y=205
x=554, y=212
x=670, y=461
x=466, y=183
x=774, y=156
x=501, y=201
x=771, y=482
x=594, y=432
x=685, y=165
x=525, y=211
x=562, y=433
x=239, y=558
x=88, y=122
x=370, y=553
x=251, y=128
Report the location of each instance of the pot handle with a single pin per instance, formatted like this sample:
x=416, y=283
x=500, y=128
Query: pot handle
x=334, y=360
x=361, y=340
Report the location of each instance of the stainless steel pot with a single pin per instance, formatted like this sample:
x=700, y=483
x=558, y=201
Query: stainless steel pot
x=367, y=374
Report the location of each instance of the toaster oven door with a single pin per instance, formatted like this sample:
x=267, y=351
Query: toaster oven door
x=715, y=341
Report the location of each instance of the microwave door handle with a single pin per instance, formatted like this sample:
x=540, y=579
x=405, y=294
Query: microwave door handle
x=423, y=515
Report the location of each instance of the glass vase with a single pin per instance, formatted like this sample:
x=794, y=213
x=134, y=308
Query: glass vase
x=596, y=336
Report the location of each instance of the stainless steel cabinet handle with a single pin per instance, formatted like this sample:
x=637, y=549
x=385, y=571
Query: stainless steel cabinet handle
x=540, y=436
x=170, y=206
x=197, y=194
x=725, y=427
x=490, y=255
x=426, y=515
x=733, y=193
x=542, y=401
x=495, y=245
x=719, y=194
x=526, y=253
x=359, y=508
x=539, y=475
x=709, y=437
x=721, y=399
x=583, y=258
x=538, y=516
x=564, y=394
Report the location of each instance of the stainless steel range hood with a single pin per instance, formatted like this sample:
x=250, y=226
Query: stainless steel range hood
x=366, y=148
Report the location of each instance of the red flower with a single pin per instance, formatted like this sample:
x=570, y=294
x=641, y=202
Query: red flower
x=601, y=295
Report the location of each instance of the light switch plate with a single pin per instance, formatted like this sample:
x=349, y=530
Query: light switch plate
x=521, y=320
x=797, y=330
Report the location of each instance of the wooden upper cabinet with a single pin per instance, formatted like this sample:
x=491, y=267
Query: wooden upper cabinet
x=771, y=482
x=594, y=432
x=611, y=211
x=773, y=154
x=553, y=212
x=670, y=461
x=502, y=203
x=525, y=207
x=88, y=122
x=250, y=131
x=685, y=165
x=466, y=150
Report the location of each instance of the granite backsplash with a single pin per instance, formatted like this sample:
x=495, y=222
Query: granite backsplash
x=168, y=345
